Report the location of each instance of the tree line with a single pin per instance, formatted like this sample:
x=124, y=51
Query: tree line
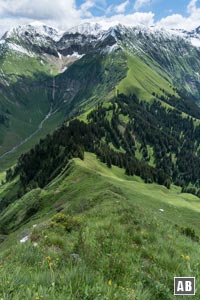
x=173, y=137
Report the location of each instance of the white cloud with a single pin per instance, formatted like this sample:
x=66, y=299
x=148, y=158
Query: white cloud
x=86, y=6
x=122, y=7
x=141, y=3
x=62, y=14
x=194, y=11
x=119, y=9
x=40, y=9
x=191, y=8
x=177, y=21
x=65, y=14
x=174, y=21
x=146, y=19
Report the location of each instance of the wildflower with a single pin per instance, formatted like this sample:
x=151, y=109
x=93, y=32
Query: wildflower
x=51, y=265
x=187, y=258
x=37, y=297
x=48, y=258
x=110, y=282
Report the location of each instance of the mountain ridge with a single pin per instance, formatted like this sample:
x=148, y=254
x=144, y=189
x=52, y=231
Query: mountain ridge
x=77, y=70
x=39, y=30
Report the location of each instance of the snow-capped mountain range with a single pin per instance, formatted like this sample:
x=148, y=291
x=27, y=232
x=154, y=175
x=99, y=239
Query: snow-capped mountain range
x=34, y=30
x=99, y=30
x=176, y=52
x=60, y=71
x=42, y=36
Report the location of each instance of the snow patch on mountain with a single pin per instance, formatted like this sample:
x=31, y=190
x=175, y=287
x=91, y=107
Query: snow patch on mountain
x=20, y=49
x=110, y=49
x=195, y=42
x=59, y=55
x=35, y=30
x=64, y=69
x=87, y=29
x=76, y=55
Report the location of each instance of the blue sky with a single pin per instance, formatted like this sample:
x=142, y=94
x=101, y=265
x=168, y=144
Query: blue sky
x=161, y=8
x=64, y=14
x=165, y=13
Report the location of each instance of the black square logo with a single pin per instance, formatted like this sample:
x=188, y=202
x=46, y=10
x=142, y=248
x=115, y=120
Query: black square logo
x=184, y=286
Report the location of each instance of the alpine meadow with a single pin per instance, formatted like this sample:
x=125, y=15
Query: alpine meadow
x=99, y=162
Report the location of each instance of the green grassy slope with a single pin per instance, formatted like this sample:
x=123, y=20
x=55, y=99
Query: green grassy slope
x=14, y=65
x=143, y=80
x=95, y=78
x=88, y=81
x=172, y=57
x=93, y=232
x=26, y=113
x=99, y=235
x=49, y=126
x=24, y=98
x=28, y=99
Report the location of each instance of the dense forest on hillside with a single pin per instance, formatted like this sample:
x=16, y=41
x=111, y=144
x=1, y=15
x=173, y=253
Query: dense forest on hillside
x=115, y=132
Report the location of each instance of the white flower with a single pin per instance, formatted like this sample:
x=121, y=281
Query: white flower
x=25, y=239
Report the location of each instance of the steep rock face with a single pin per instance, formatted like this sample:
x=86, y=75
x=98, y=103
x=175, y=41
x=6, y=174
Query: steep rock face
x=87, y=29
x=76, y=42
x=33, y=38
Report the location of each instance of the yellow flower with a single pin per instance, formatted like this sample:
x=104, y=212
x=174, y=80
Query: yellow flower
x=51, y=265
x=48, y=258
x=37, y=297
x=110, y=282
x=187, y=258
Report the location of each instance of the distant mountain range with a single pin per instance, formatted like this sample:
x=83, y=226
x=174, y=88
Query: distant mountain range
x=44, y=72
